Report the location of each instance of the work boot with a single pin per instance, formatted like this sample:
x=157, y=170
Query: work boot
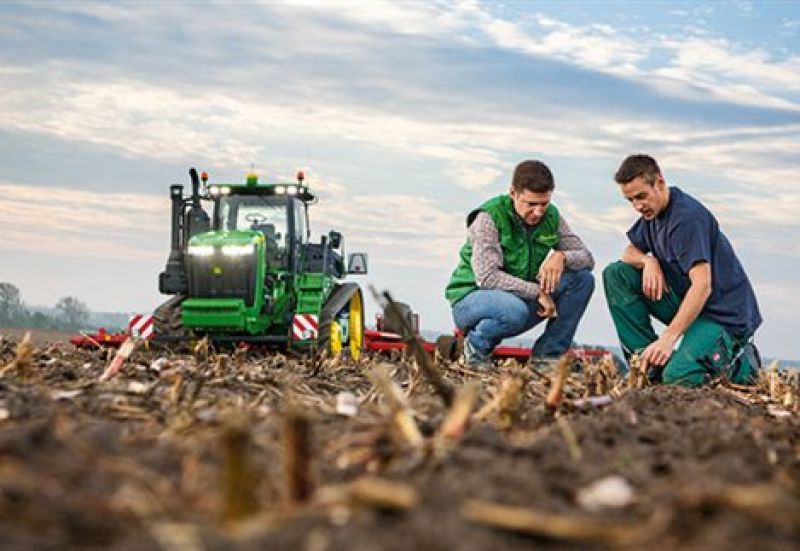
x=543, y=364
x=475, y=359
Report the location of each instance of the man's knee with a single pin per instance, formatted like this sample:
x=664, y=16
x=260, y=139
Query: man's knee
x=512, y=313
x=584, y=279
x=617, y=272
x=503, y=308
x=683, y=372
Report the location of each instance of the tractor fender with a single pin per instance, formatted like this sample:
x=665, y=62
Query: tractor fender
x=338, y=299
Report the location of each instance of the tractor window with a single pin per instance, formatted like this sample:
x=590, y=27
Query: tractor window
x=251, y=212
x=300, y=222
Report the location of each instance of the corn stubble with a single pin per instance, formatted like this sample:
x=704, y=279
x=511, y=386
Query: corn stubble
x=265, y=416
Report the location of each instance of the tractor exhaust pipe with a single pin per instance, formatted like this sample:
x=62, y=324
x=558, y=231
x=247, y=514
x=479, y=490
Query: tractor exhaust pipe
x=176, y=197
x=197, y=219
x=195, y=188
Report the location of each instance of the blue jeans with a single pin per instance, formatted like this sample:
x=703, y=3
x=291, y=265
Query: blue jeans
x=487, y=316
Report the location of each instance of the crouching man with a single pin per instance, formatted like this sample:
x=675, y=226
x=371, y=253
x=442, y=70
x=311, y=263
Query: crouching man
x=521, y=264
x=680, y=269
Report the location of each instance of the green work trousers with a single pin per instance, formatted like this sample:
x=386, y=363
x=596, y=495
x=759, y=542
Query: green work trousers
x=706, y=351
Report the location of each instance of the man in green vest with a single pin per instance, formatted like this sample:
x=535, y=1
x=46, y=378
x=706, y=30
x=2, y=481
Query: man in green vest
x=521, y=264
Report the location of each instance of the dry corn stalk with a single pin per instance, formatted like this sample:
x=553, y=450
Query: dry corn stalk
x=22, y=359
x=556, y=393
x=774, y=381
x=413, y=343
x=297, y=457
x=793, y=382
x=762, y=501
x=571, y=440
x=239, y=497
x=591, y=371
x=398, y=405
x=607, y=374
x=122, y=354
x=637, y=377
x=202, y=349
x=457, y=419
x=562, y=527
x=506, y=401
x=383, y=494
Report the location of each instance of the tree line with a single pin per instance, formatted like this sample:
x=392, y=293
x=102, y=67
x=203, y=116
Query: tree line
x=69, y=313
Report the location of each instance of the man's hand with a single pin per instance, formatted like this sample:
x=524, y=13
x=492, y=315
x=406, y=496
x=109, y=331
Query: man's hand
x=547, y=306
x=658, y=352
x=653, y=283
x=550, y=271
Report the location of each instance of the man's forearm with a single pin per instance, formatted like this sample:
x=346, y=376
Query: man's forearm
x=498, y=279
x=690, y=308
x=634, y=257
x=576, y=255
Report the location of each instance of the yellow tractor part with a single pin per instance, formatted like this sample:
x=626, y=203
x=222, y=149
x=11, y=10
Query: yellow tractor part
x=355, y=327
x=336, y=339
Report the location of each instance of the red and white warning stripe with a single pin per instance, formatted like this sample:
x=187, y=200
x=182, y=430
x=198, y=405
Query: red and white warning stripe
x=305, y=326
x=141, y=326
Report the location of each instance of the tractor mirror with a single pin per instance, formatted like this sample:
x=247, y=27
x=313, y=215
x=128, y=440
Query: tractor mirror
x=335, y=239
x=357, y=263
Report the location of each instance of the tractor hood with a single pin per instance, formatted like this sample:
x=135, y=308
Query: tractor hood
x=237, y=242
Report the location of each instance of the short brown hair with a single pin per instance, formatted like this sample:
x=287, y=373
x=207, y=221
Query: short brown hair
x=635, y=166
x=532, y=176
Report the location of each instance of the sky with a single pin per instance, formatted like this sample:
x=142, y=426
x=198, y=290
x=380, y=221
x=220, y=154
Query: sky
x=405, y=116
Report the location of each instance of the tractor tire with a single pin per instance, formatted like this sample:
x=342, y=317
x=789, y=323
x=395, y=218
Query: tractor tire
x=330, y=341
x=167, y=319
x=324, y=340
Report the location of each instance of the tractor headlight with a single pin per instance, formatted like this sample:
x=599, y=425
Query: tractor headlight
x=214, y=191
x=237, y=250
x=291, y=190
x=225, y=190
x=280, y=190
x=201, y=250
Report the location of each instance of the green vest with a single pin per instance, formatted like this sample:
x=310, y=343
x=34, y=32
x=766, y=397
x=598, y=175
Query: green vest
x=524, y=247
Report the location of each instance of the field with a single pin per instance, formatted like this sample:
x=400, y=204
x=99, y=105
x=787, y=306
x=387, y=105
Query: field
x=203, y=450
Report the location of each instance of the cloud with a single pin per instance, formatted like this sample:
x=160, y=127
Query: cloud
x=46, y=220
x=598, y=47
x=395, y=229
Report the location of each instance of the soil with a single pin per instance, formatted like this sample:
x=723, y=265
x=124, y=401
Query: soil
x=188, y=451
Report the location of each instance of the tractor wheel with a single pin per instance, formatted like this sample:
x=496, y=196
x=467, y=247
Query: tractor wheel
x=167, y=318
x=329, y=341
x=344, y=333
x=355, y=322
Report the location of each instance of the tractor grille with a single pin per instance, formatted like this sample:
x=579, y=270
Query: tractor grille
x=219, y=276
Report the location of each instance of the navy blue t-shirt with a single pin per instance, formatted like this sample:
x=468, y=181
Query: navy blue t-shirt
x=687, y=233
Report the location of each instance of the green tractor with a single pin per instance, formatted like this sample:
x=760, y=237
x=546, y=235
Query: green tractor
x=250, y=273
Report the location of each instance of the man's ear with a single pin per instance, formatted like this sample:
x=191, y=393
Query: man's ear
x=512, y=192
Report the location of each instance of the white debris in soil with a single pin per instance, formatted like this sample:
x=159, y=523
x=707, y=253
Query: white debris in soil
x=65, y=394
x=606, y=493
x=346, y=404
x=135, y=387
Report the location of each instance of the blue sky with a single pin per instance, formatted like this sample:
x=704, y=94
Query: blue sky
x=405, y=115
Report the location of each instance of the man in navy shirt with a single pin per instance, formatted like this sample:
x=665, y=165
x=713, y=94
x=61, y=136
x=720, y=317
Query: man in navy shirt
x=680, y=269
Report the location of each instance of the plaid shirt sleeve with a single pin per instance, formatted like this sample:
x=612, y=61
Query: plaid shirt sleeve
x=576, y=254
